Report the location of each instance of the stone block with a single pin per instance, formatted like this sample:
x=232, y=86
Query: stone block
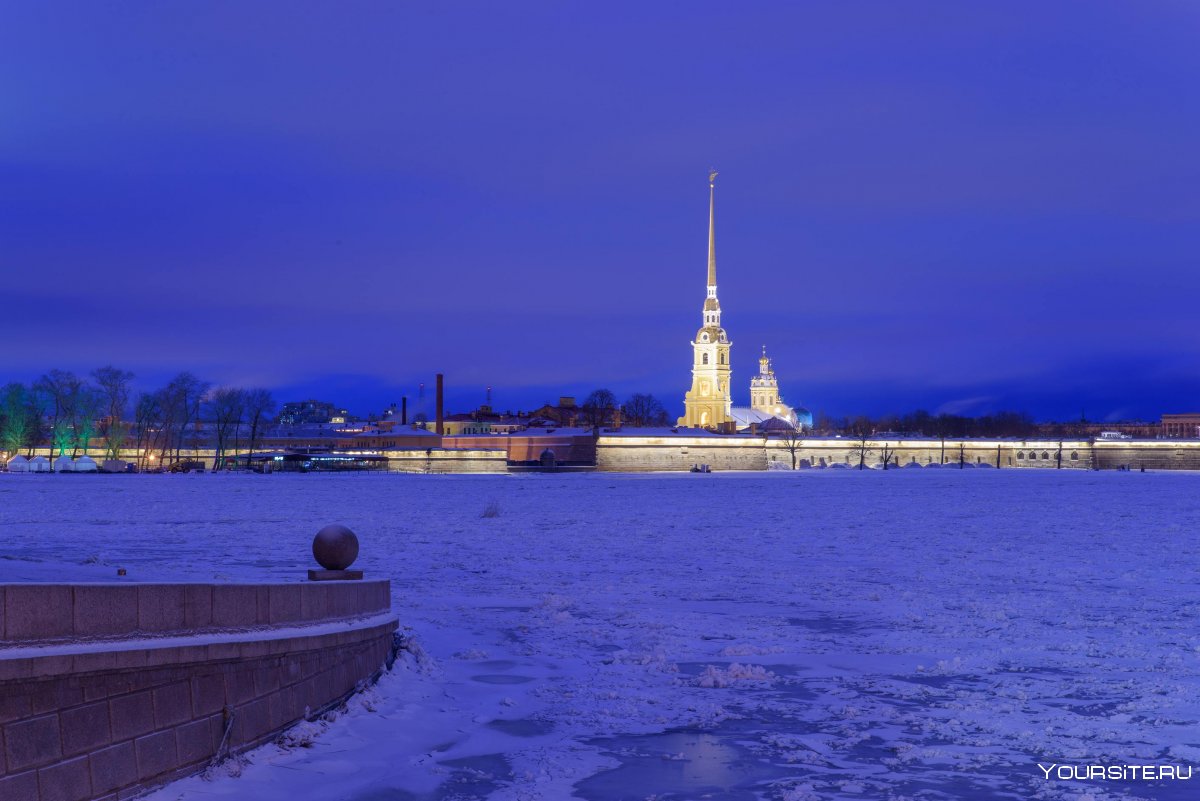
x=131, y=715
x=191, y=654
x=37, y=612
x=20, y=787
x=160, y=607
x=234, y=606
x=85, y=728
x=16, y=669
x=239, y=687
x=208, y=693
x=52, y=665
x=197, y=606
x=101, y=611
x=93, y=662
x=266, y=680
x=263, y=596
x=194, y=742
x=156, y=754
x=70, y=780
x=14, y=703
x=342, y=600
x=256, y=719
x=172, y=704
x=113, y=768
x=314, y=602
x=130, y=658
x=53, y=695
x=335, y=575
x=283, y=602
x=33, y=742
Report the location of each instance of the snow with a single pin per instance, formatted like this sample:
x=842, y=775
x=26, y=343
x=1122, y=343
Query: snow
x=777, y=635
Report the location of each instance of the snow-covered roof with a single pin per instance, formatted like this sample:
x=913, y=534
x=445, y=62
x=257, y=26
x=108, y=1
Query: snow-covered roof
x=673, y=431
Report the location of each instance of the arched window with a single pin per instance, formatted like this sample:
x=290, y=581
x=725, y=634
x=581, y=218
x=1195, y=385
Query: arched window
x=1074, y=456
x=1020, y=454
x=1045, y=454
x=721, y=358
x=704, y=359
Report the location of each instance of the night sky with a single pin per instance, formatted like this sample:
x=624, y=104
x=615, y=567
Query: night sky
x=960, y=206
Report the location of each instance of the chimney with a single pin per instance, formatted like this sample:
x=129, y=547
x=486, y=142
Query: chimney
x=404, y=411
x=440, y=411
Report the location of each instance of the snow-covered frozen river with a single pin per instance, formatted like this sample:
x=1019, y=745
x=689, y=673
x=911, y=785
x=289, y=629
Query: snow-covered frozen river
x=909, y=634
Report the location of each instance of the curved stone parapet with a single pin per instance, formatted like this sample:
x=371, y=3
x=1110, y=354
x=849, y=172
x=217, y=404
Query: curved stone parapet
x=109, y=689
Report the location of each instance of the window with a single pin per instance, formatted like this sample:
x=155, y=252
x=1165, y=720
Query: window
x=704, y=359
x=1045, y=454
x=721, y=358
x=1020, y=454
x=1074, y=456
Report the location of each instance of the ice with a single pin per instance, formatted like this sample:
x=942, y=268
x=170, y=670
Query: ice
x=778, y=635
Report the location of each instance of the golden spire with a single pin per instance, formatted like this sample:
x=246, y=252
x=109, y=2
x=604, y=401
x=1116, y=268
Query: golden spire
x=712, y=234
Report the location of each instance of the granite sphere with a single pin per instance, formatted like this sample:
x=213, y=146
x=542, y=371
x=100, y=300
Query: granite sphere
x=335, y=547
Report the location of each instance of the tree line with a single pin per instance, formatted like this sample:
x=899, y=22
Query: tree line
x=70, y=414
x=639, y=409
x=922, y=423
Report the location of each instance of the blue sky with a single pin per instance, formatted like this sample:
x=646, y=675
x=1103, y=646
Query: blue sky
x=959, y=206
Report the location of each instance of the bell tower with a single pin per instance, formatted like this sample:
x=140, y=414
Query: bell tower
x=708, y=403
x=764, y=387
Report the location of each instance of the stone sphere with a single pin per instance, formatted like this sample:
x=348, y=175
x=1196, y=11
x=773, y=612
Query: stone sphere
x=335, y=547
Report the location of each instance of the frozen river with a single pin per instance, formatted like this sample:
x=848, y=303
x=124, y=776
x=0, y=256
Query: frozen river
x=792, y=636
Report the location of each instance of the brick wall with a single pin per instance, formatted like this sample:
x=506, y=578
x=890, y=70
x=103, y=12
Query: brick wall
x=132, y=686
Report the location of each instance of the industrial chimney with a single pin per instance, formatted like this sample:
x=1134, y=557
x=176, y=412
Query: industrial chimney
x=440, y=411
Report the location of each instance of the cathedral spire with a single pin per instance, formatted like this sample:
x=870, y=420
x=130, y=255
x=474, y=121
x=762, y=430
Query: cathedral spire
x=712, y=236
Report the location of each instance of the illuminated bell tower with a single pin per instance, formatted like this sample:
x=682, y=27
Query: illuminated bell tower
x=708, y=404
x=764, y=388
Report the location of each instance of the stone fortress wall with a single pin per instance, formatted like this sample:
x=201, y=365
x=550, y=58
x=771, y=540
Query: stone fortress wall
x=109, y=689
x=620, y=453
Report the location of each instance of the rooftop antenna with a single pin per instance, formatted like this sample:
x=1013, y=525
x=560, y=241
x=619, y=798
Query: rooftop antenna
x=489, y=396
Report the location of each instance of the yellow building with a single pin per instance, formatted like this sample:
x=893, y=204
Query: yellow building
x=708, y=403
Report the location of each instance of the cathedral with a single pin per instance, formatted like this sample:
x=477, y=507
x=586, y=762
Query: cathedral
x=709, y=403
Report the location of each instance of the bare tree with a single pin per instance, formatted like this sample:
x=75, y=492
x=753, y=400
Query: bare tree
x=644, y=410
x=887, y=455
x=259, y=408
x=84, y=412
x=181, y=400
x=114, y=385
x=598, y=407
x=792, y=440
x=60, y=389
x=227, y=406
x=862, y=427
x=148, y=425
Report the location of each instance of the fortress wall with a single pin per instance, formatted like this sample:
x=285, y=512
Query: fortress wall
x=642, y=454
x=1148, y=454
x=448, y=460
x=108, y=690
x=1001, y=453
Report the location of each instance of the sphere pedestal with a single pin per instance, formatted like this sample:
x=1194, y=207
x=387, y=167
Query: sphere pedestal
x=335, y=548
